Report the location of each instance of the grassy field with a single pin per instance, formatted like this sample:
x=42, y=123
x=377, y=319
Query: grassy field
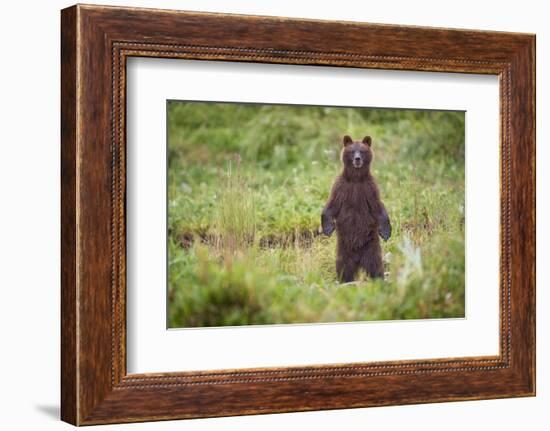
x=246, y=185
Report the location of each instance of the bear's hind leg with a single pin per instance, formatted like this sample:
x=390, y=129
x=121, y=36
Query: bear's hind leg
x=346, y=269
x=371, y=260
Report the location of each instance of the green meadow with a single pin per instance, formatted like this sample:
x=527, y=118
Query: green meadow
x=246, y=186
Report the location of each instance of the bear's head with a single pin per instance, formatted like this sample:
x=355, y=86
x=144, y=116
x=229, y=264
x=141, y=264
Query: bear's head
x=357, y=155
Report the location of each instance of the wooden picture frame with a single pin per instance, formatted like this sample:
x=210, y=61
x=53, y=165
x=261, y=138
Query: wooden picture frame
x=95, y=43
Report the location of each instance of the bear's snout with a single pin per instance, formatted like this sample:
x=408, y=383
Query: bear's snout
x=357, y=159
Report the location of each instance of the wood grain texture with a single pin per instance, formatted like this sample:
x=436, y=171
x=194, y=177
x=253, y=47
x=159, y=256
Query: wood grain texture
x=96, y=41
x=69, y=366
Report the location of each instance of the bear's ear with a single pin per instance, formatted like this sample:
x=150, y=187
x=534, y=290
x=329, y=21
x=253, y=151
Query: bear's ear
x=347, y=140
x=367, y=140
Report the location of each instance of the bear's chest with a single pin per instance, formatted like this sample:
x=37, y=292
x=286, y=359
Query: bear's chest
x=355, y=200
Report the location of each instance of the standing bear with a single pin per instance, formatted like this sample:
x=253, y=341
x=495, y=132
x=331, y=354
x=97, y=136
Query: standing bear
x=355, y=210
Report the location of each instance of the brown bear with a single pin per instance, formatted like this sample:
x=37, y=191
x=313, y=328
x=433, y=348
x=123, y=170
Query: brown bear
x=355, y=210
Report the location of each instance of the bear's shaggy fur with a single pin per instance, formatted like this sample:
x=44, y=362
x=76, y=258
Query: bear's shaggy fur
x=355, y=210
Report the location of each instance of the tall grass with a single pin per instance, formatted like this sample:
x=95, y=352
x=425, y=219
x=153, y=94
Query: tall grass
x=236, y=226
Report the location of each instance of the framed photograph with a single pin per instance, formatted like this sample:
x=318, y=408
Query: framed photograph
x=263, y=214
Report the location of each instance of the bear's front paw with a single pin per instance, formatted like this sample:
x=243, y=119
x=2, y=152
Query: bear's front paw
x=385, y=231
x=328, y=228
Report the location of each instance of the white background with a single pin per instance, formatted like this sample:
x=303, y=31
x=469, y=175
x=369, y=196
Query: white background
x=29, y=228
x=151, y=348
